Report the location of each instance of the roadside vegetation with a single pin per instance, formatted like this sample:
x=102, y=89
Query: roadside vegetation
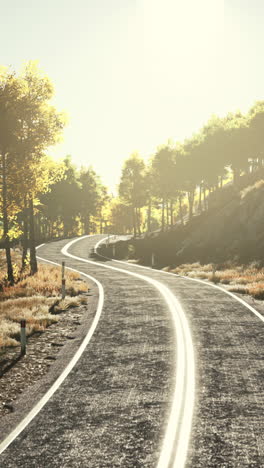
x=37, y=299
x=43, y=199
x=238, y=278
x=40, y=198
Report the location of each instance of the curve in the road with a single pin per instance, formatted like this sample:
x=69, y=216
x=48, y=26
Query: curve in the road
x=36, y=409
x=175, y=444
x=229, y=293
x=176, y=439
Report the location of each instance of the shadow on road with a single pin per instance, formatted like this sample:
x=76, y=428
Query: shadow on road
x=97, y=258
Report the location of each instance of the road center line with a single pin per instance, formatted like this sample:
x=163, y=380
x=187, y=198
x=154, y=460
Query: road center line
x=177, y=435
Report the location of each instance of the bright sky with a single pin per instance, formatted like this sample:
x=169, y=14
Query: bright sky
x=134, y=73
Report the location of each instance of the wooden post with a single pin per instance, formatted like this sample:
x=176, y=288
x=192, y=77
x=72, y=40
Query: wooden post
x=23, y=341
x=63, y=281
x=213, y=274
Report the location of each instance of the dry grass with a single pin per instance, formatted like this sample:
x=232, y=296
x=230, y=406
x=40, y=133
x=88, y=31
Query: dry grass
x=194, y=270
x=46, y=282
x=36, y=299
x=36, y=310
x=255, y=290
x=242, y=279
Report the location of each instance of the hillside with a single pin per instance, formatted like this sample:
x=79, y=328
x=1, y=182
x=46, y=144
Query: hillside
x=231, y=230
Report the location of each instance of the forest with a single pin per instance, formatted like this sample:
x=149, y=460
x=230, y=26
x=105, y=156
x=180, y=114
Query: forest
x=179, y=178
x=44, y=199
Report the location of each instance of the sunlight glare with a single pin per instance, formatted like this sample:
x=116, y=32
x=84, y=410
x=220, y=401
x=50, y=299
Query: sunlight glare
x=181, y=36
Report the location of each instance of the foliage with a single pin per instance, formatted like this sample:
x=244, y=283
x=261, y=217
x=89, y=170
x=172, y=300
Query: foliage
x=43, y=199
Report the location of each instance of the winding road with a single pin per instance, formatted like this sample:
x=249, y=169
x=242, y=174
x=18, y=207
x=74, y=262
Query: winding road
x=142, y=391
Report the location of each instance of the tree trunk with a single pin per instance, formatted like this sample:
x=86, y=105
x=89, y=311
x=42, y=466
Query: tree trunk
x=25, y=236
x=138, y=219
x=200, y=199
x=167, y=213
x=171, y=213
x=86, y=224
x=190, y=200
x=65, y=228
x=149, y=216
x=10, y=273
x=51, y=231
x=45, y=229
x=181, y=215
x=204, y=199
x=134, y=221
x=101, y=223
x=32, y=246
x=163, y=215
x=38, y=220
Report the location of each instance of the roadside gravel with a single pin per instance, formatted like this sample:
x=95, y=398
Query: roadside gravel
x=24, y=380
x=18, y=373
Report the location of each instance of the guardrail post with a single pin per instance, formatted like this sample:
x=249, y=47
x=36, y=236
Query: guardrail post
x=23, y=340
x=63, y=281
x=114, y=251
x=152, y=260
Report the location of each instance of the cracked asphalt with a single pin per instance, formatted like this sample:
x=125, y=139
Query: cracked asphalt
x=111, y=410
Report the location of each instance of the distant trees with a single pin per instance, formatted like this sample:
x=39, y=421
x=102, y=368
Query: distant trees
x=132, y=188
x=163, y=175
x=93, y=198
x=190, y=171
x=74, y=203
x=120, y=217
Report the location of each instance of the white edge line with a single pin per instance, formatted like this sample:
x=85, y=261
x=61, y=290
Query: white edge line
x=35, y=410
x=229, y=293
x=174, y=422
x=206, y=283
x=184, y=434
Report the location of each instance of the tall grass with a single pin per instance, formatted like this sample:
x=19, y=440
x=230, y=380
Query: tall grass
x=243, y=279
x=35, y=298
x=46, y=282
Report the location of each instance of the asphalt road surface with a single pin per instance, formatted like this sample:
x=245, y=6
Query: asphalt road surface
x=128, y=401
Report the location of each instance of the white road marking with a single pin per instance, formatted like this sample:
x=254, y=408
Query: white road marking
x=229, y=293
x=24, y=423
x=176, y=440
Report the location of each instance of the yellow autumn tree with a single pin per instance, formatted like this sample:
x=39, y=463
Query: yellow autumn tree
x=29, y=124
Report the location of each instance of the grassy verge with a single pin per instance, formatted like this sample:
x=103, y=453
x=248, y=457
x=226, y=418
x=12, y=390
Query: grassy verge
x=35, y=298
x=241, y=279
